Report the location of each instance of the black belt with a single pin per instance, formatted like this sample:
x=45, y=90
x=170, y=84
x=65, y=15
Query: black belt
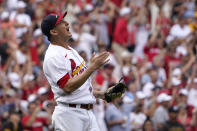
x=83, y=106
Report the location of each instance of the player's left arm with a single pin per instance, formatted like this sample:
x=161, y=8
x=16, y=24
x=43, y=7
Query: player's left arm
x=99, y=94
x=112, y=93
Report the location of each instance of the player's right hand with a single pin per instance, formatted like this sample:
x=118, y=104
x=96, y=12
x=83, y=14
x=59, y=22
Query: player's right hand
x=97, y=61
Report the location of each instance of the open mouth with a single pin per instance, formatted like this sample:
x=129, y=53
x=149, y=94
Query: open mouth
x=67, y=29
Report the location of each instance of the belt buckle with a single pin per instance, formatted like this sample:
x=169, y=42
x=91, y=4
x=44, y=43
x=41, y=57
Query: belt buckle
x=78, y=106
x=89, y=106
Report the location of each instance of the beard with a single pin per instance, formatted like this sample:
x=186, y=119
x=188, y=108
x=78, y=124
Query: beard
x=70, y=40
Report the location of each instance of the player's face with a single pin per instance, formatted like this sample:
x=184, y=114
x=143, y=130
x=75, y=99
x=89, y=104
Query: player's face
x=63, y=29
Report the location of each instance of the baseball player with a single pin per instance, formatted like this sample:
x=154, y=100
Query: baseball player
x=70, y=81
x=69, y=78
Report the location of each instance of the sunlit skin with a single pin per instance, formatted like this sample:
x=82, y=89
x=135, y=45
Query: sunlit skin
x=60, y=34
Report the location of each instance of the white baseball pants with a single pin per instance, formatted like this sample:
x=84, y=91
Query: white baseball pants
x=73, y=119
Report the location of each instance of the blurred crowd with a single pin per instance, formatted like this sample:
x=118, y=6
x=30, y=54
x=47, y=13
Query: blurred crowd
x=152, y=45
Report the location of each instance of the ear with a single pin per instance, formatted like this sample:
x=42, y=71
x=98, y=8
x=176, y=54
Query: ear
x=53, y=32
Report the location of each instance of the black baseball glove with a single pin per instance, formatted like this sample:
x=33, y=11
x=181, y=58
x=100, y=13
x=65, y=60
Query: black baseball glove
x=114, y=92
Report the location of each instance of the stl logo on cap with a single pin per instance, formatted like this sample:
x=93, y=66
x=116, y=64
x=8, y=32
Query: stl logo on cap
x=56, y=16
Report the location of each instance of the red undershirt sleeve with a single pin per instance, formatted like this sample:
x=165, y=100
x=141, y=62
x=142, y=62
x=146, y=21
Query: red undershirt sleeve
x=62, y=82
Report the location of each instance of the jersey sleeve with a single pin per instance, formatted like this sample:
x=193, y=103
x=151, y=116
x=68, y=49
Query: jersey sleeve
x=58, y=70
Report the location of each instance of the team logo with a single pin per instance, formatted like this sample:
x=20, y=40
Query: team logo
x=76, y=69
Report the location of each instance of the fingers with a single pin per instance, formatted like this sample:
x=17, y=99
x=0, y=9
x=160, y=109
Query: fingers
x=103, y=62
x=103, y=55
x=102, y=58
x=93, y=56
x=106, y=61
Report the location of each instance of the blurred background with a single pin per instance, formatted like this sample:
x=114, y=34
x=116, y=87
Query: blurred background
x=152, y=45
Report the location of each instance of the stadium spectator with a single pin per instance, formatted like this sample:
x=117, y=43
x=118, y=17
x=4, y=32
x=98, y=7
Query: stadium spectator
x=173, y=124
x=14, y=123
x=148, y=125
x=137, y=118
x=33, y=121
x=121, y=35
x=161, y=113
x=114, y=117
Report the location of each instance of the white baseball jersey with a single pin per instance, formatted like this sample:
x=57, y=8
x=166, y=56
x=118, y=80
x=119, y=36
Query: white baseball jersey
x=59, y=66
